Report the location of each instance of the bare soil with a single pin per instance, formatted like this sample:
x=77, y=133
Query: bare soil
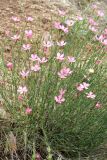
x=41, y=10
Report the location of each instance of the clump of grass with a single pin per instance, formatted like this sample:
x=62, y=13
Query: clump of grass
x=55, y=91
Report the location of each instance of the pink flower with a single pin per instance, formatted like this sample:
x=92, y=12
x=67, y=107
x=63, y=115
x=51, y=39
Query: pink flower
x=83, y=86
x=106, y=31
x=94, y=6
x=61, y=13
x=91, y=95
x=61, y=43
x=57, y=25
x=86, y=85
x=15, y=37
x=26, y=47
x=69, y=22
x=80, y=87
x=28, y=33
x=15, y=19
x=59, y=99
x=38, y=156
x=80, y=18
x=22, y=90
x=100, y=13
x=98, y=62
x=92, y=22
x=64, y=72
x=71, y=59
x=100, y=38
x=98, y=105
x=47, y=44
x=63, y=28
x=20, y=98
x=24, y=74
x=104, y=42
x=43, y=60
x=7, y=32
x=34, y=57
x=93, y=29
x=29, y=19
x=36, y=68
x=9, y=65
x=28, y=110
x=60, y=56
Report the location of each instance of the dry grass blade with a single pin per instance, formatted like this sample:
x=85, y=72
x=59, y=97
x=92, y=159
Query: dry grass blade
x=12, y=142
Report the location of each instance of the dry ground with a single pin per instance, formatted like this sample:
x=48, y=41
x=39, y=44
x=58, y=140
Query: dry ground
x=41, y=10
